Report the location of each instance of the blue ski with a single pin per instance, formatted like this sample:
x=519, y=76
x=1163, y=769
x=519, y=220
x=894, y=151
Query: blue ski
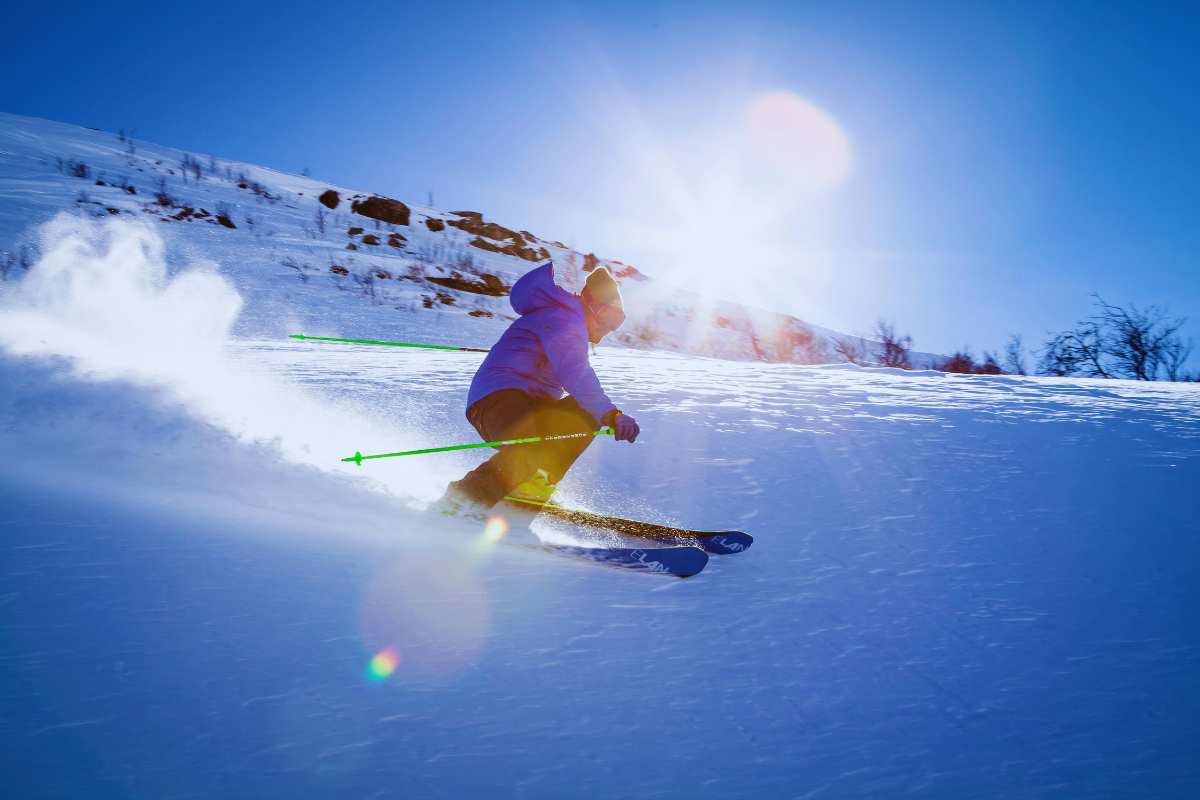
x=680, y=562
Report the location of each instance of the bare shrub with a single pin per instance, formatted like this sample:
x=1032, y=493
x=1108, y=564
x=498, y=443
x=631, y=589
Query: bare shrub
x=1118, y=342
x=850, y=348
x=366, y=284
x=73, y=168
x=225, y=215
x=301, y=268
x=1014, y=356
x=895, y=351
x=161, y=195
x=1175, y=354
x=189, y=164
x=1139, y=339
x=961, y=361
x=989, y=366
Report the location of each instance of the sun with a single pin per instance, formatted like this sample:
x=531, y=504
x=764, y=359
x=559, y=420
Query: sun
x=804, y=142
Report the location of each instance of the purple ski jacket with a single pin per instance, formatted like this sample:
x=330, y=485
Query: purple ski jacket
x=545, y=351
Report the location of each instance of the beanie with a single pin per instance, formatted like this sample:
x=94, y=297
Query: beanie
x=601, y=288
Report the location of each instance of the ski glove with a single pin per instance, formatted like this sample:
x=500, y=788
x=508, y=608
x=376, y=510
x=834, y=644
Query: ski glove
x=626, y=428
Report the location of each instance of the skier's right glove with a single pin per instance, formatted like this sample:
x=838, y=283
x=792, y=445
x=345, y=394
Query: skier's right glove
x=626, y=428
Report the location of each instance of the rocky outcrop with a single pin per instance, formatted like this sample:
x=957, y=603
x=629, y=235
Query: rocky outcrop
x=496, y=238
x=488, y=284
x=383, y=209
x=511, y=249
x=330, y=199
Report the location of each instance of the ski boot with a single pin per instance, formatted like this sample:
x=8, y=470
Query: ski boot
x=538, y=489
x=457, y=503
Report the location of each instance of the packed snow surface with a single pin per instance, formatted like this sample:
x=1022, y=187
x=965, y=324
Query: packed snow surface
x=961, y=586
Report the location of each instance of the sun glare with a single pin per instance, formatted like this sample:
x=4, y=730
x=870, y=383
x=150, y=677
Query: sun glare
x=741, y=204
x=794, y=136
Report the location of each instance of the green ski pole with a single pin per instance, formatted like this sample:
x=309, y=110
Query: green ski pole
x=304, y=338
x=358, y=457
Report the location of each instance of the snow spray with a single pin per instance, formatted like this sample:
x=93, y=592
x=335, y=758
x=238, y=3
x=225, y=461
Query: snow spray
x=103, y=298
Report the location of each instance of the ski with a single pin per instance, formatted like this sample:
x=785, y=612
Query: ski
x=679, y=562
x=715, y=542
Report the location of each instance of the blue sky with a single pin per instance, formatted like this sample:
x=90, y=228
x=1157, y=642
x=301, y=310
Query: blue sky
x=1004, y=161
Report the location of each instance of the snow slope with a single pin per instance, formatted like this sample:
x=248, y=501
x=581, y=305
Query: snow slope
x=340, y=268
x=962, y=586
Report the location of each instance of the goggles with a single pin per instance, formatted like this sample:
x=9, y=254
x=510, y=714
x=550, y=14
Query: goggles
x=610, y=317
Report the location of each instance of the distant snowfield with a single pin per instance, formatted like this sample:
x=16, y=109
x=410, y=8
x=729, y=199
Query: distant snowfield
x=961, y=586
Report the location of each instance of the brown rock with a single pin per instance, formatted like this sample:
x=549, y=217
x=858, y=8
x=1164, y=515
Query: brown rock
x=511, y=249
x=435, y=225
x=371, y=239
x=383, y=209
x=330, y=199
x=337, y=270
x=489, y=285
x=488, y=230
x=354, y=231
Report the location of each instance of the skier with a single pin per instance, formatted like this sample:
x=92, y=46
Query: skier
x=518, y=391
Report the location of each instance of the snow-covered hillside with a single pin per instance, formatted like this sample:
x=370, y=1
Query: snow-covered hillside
x=961, y=586
x=339, y=261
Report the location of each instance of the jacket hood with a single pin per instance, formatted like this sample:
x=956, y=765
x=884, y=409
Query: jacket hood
x=536, y=290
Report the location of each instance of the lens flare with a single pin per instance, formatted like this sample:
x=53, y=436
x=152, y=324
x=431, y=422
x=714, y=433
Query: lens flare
x=383, y=664
x=495, y=529
x=428, y=615
x=799, y=139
